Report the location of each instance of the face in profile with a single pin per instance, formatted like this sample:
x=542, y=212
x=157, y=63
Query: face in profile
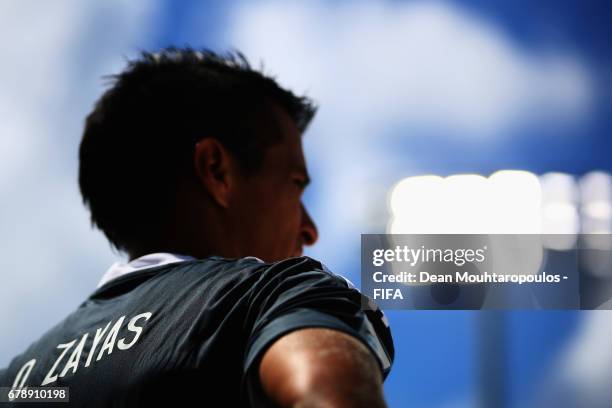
x=273, y=220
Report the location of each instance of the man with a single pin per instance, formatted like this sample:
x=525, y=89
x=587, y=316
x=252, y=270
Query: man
x=192, y=164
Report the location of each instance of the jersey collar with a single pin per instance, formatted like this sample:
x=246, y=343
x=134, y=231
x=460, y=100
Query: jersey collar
x=144, y=262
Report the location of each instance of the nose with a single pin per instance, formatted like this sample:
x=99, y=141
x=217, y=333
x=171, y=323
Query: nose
x=309, y=233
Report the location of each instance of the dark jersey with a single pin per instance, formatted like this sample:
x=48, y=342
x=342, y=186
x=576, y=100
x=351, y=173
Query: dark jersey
x=192, y=333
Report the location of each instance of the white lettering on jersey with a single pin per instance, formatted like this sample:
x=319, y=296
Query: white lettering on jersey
x=23, y=374
x=72, y=364
x=97, y=338
x=49, y=378
x=121, y=345
x=111, y=337
x=75, y=357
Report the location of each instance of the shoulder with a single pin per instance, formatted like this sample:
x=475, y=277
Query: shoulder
x=258, y=273
x=302, y=292
x=302, y=267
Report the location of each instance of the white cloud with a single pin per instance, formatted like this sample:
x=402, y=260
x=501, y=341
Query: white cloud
x=581, y=377
x=420, y=63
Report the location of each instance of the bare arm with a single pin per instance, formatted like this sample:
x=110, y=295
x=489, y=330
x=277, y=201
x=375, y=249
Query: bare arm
x=317, y=367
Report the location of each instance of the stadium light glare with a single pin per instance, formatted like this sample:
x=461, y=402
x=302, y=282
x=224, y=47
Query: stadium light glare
x=507, y=202
x=560, y=217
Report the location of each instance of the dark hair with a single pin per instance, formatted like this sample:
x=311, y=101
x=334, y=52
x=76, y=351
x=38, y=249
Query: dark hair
x=140, y=136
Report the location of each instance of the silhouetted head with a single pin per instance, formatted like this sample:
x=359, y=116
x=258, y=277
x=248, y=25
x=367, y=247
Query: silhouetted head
x=197, y=153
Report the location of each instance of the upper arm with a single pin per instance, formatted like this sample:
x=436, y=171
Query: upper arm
x=295, y=309
x=320, y=367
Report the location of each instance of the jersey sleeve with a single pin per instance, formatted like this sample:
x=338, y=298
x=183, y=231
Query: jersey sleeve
x=301, y=293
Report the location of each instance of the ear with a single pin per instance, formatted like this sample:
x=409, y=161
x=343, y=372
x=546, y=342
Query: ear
x=214, y=168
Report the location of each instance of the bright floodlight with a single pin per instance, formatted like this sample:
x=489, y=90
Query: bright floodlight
x=507, y=202
x=596, y=209
x=560, y=218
